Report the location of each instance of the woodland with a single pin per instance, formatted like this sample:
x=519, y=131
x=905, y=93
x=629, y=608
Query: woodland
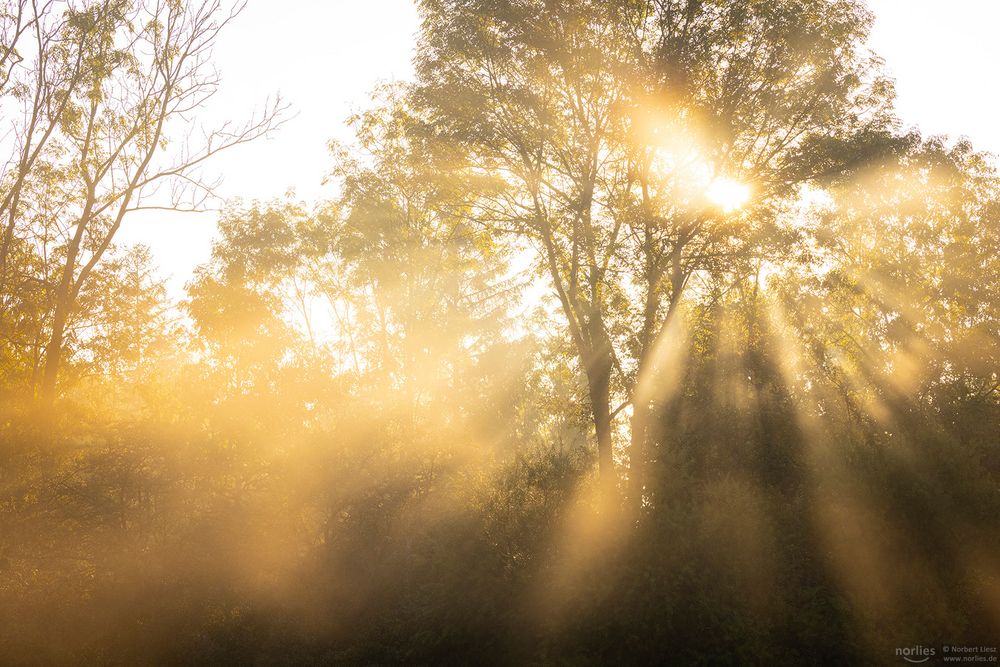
x=636, y=332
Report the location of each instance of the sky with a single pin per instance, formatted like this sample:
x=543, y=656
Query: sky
x=325, y=56
x=943, y=56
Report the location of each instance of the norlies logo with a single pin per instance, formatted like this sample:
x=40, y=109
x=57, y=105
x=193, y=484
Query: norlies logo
x=915, y=654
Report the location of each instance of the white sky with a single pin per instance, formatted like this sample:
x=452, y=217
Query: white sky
x=324, y=56
x=943, y=55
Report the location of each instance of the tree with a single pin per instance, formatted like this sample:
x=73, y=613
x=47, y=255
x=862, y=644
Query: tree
x=897, y=297
x=621, y=133
x=236, y=300
x=132, y=327
x=389, y=280
x=127, y=75
x=426, y=285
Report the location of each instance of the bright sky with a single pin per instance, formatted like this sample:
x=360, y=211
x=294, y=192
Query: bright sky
x=324, y=56
x=943, y=56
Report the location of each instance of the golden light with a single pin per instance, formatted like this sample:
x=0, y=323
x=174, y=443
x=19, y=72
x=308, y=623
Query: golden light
x=728, y=194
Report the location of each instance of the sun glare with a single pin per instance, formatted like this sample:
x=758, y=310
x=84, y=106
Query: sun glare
x=728, y=194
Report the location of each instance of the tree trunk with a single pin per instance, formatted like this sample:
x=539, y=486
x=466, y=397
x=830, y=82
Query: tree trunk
x=599, y=386
x=63, y=304
x=599, y=364
x=53, y=351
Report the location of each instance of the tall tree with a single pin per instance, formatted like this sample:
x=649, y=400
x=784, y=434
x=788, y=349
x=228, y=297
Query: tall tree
x=128, y=75
x=625, y=133
x=427, y=282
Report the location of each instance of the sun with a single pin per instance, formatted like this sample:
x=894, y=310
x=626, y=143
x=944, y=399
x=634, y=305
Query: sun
x=728, y=194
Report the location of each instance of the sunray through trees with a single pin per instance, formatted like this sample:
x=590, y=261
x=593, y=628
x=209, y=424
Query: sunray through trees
x=632, y=332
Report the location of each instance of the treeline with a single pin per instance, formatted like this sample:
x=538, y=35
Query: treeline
x=637, y=332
